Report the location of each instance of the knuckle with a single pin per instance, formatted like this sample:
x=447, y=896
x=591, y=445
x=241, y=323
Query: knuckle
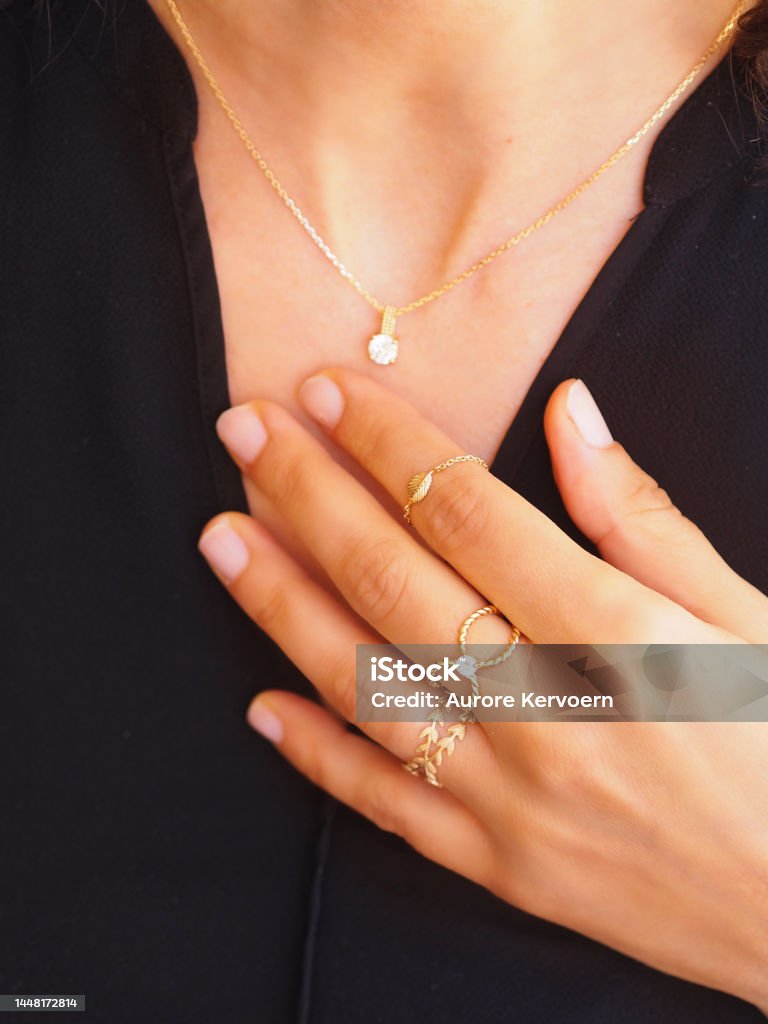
x=287, y=480
x=371, y=440
x=375, y=578
x=647, y=495
x=270, y=608
x=458, y=512
x=341, y=685
x=649, y=509
x=315, y=766
x=380, y=803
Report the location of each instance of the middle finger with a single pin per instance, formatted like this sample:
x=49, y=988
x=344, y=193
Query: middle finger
x=554, y=590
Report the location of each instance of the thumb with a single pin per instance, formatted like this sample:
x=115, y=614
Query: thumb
x=634, y=523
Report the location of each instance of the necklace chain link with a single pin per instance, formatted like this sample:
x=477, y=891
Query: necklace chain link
x=540, y=222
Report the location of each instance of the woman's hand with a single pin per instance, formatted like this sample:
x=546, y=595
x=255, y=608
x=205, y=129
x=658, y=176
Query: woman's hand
x=651, y=838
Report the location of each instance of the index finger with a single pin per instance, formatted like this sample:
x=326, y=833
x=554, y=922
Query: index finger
x=543, y=581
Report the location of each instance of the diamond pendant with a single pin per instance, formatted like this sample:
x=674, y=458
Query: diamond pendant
x=382, y=348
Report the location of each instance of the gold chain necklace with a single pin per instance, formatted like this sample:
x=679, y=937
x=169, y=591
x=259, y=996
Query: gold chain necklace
x=383, y=346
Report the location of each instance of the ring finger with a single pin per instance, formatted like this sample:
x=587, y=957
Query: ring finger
x=319, y=635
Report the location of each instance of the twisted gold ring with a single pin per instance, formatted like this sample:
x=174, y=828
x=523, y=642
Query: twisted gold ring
x=467, y=664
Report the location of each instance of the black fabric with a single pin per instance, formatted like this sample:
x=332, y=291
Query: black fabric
x=154, y=854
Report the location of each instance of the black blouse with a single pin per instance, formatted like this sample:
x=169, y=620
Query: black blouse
x=155, y=854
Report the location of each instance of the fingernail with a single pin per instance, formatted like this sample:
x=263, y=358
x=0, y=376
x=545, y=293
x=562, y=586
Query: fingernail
x=224, y=550
x=265, y=722
x=242, y=431
x=322, y=399
x=586, y=416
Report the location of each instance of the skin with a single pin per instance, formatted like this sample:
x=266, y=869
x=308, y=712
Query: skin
x=461, y=135
x=604, y=825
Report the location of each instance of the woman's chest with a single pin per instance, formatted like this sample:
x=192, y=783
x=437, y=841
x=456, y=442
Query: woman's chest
x=466, y=359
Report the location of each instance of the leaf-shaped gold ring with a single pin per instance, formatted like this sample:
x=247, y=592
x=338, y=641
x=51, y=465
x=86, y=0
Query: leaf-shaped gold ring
x=418, y=487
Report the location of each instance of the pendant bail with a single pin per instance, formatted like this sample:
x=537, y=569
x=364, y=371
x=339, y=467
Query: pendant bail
x=389, y=321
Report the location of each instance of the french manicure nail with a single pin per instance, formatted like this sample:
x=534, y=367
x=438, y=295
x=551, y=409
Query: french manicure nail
x=225, y=551
x=265, y=722
x=586, y=416
x=322, y=399
x=242, y=431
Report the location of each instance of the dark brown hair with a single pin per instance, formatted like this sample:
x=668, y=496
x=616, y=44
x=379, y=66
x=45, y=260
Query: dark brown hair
x=752, y=42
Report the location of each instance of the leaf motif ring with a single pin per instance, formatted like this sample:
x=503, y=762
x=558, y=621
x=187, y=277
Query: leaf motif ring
x=420, y=484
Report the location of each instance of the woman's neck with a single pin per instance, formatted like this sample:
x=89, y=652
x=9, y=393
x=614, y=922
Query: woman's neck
x=452, y=55
x=436, y=113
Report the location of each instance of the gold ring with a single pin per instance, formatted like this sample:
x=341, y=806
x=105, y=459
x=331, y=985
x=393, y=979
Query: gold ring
x=419, y=485
x=432, y=746
x=467, y=664
x=432, y=749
